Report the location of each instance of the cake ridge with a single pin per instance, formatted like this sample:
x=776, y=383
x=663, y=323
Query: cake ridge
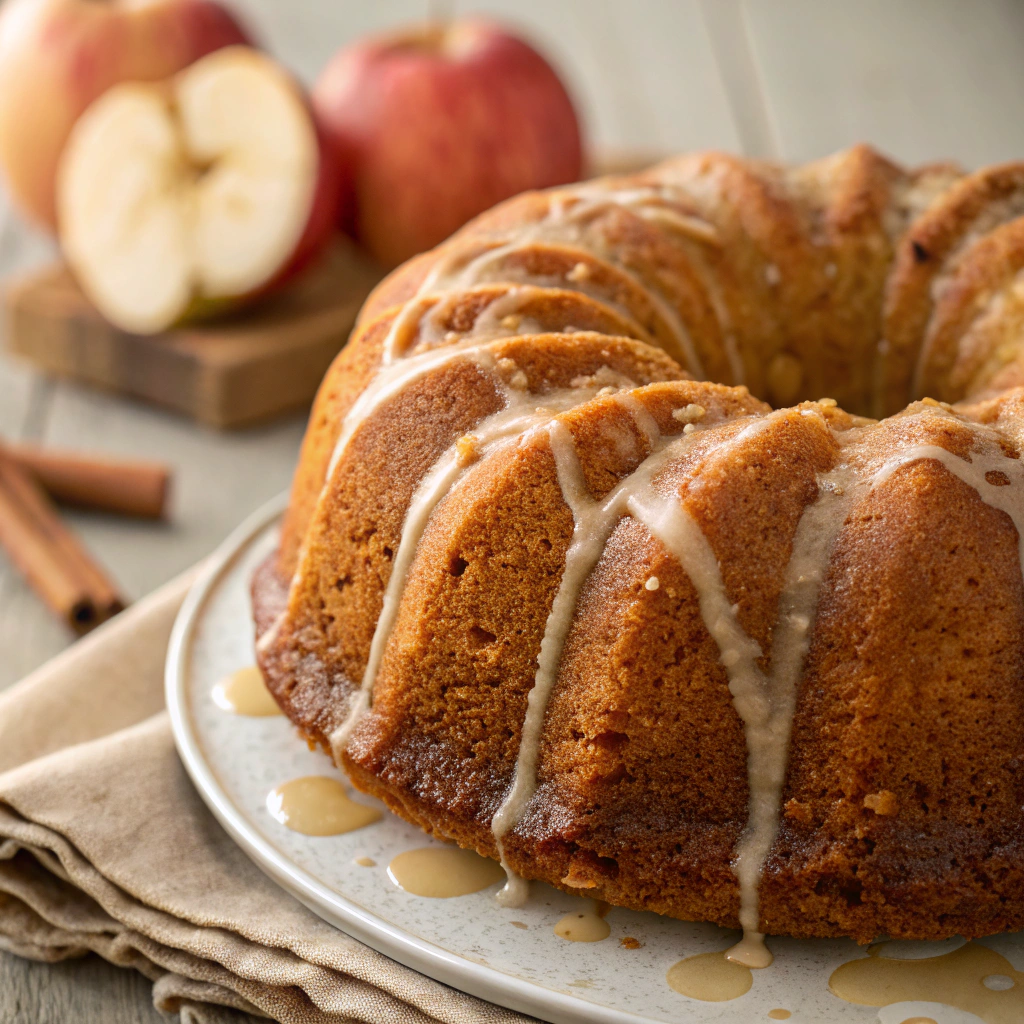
x=571, y=207
x=594, y=521
x=512, y=424
x=473, y=273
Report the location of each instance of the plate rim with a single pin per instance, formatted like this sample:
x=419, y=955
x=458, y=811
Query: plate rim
x=427, y=958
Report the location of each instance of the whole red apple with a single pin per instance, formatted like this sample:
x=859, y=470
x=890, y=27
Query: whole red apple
x=57, y=56
x=438, y=124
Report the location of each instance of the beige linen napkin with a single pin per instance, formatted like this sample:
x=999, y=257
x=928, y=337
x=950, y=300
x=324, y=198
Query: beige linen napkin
x=105, y=846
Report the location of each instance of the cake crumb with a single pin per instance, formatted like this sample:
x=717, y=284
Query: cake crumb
x=689, y=413
x=628, y=942
x=512, y=375
x=520, y=924
x=653, y=583
x=580, y=272
x=468, y=448
x=883, y=802
x=578, y=880
x=511, y=322
x=603, y=377
x=798, y=812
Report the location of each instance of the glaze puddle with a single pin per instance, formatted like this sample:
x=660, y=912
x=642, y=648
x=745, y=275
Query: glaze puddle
x=441, y=872
x=973, y=978
x=245, y=693
x=710, y=977
x=585, y=925
x=318, y=806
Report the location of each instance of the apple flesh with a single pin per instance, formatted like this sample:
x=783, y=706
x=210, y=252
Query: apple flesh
x=194, y=195
x=57, y=56
x=435, y=126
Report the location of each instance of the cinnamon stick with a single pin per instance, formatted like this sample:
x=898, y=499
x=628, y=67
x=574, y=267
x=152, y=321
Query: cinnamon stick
x=125, y=486
x=51, y=558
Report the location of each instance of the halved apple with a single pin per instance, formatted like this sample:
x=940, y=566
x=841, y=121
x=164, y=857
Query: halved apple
x=190, y=195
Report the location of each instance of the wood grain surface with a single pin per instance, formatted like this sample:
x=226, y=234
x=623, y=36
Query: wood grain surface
x=230, y=372
x=785, y=78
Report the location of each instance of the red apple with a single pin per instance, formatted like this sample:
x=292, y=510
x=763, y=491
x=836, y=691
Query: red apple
x=57, y=56
x=193, y=195
x=440, y=123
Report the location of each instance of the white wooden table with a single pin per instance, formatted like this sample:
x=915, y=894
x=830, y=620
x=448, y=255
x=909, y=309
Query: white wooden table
x=922, y=79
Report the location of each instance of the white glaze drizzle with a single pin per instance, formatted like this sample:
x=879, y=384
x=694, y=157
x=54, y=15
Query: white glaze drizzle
x=393, y=378
x=593, y=522
x=768, y=738
x=474, y=274
x=1005, y=497
x=490, y=323
x=707, y=233
x=448, y=276
x=768, y=753
x=763, y=703
x=584, y=550
x=636, y=200
x=511, y=424
x=766, y=703
x=767, y=728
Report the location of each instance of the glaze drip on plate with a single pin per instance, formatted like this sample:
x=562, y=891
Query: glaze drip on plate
x=316, y=805
x=245, y=693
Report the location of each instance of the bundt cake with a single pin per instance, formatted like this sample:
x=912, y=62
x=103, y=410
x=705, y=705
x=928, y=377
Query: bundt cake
x=559, y=584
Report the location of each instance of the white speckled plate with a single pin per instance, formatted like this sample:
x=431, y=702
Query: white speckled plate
x=468, y=942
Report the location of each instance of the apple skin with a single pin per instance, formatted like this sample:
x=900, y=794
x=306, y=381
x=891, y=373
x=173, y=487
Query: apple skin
x=437, y=125
x=57, y=56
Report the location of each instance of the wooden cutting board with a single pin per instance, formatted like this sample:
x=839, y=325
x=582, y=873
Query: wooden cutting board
x=228, y=373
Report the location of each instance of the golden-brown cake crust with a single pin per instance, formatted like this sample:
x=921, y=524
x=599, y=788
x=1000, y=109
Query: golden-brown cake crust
x=522, y=451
